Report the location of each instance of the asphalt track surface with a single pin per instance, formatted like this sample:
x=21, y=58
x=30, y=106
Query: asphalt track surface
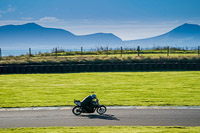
x=113, y=117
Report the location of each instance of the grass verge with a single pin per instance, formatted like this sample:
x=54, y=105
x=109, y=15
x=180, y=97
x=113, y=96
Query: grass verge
x=119, y=88
x=106, y=129
x=93, y=59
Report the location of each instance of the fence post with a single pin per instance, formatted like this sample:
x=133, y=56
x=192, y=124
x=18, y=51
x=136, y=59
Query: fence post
x=0, y=54
x=29, y=52
x=121, y=51
x=198, y=50
x=81, y=51
x=107, y=51
x=168, y=51
x=56, y=51
x=138, y=49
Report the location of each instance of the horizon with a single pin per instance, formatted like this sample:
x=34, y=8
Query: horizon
x=127, y=19
x=94, y=33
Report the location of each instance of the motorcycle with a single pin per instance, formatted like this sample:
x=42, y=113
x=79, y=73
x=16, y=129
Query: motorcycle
x=78, y=109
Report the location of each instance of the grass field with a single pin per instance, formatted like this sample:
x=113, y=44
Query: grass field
x=107, y=129
x=120, y=88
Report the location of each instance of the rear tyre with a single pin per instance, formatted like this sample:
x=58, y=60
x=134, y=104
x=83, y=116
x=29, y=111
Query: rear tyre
x=76, y=110
x=101, y=109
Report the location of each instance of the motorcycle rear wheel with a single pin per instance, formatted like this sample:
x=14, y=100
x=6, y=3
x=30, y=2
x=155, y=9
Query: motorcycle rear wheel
x=101, y=109
x=76, y=110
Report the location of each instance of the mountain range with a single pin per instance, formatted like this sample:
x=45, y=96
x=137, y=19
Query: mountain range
x=186, y=35
x=32, y=35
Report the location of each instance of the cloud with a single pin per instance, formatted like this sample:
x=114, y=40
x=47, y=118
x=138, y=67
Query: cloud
x=27, y=18
x=2, y=11
x=44, y=20
x=50, y=19
x=8, y=10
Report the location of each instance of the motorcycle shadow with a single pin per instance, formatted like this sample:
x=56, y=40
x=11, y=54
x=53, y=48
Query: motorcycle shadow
x=104, y=116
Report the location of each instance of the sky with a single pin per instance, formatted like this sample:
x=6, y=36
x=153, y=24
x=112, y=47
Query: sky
x=128, y=19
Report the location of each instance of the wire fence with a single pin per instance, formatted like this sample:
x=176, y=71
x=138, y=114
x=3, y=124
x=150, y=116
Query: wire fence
x=138, y=51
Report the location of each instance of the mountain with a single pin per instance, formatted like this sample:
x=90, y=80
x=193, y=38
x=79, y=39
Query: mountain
x=101, y=39
x=32, y=35
x=182, y=36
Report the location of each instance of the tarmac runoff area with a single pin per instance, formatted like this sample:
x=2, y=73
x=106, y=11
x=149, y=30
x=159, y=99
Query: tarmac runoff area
x=108, y=107
x=115, y=116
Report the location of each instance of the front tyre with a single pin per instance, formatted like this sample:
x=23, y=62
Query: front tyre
x=76, y=110
x=101, y=109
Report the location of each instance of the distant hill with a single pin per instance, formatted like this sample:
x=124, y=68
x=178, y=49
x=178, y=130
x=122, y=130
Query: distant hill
x=182, y=36
x=35, y=36
x=32, y=35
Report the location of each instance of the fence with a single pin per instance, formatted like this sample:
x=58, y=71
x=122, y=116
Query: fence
x=109, y=51
x=109, y=67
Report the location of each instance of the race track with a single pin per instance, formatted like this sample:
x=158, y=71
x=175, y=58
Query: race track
x=113, y=117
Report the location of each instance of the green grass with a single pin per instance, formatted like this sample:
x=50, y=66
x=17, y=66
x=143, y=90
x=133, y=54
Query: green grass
x=106, y=129
x=120, y=88
x=105, y=51
x=128, y=58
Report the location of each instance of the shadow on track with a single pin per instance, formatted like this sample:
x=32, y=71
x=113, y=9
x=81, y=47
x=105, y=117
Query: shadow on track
x=104, y=116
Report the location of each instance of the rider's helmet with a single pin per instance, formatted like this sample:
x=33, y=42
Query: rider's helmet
x=93, y=96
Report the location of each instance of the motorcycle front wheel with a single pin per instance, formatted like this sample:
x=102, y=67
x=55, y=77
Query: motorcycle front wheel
x=76, y=110
x=101, y=109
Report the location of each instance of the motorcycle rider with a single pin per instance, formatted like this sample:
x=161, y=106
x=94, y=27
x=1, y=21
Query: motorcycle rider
x=87, y=102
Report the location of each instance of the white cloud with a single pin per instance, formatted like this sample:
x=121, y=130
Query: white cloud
x=1, y=11
x=50, y=19
x=10, y=9
x=27, y=18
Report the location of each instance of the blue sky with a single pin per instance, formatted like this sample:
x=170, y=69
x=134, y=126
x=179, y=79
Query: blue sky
x=128, y=19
